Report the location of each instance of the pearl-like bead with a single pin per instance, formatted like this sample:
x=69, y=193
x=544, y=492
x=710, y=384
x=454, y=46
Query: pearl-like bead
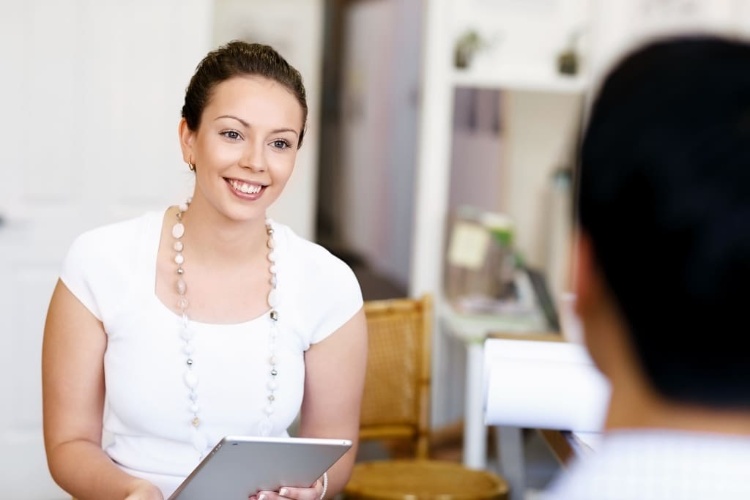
x=178, y=230
x=187, y=334
x=191, y=379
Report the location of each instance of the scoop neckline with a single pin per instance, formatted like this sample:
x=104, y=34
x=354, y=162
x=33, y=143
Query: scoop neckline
x=159, y=218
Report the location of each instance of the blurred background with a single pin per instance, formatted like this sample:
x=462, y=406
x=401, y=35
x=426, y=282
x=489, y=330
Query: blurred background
x=430, y=122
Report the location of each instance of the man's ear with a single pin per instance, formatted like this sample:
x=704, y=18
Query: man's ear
x=187, y=138
x=587, y=278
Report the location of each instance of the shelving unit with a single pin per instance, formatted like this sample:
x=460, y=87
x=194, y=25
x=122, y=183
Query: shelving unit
x=432, y=185
x=532, y=81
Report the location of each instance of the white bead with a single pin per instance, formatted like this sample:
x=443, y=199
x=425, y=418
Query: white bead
x=272, y=299
x=179, y=259
x=272, y=256
x=272, y=269
x=188, y=349
x=187, y=334
x=178, y=230
x=178, y=246
x=272, y=360
x=183, y=207
x=181, y=286
x=194, y=408
x=265, y=428
x=191, y=379
x=268, y=409
x=272, y=385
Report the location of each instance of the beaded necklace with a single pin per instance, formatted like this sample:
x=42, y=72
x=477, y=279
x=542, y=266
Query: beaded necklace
x=190, y=376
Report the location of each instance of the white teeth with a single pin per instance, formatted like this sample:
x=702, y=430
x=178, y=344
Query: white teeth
x=244, y=187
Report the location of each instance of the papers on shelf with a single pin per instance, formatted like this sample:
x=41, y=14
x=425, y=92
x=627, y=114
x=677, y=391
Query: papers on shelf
x=545, y=385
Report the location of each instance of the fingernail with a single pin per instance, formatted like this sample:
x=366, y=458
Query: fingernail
x=283, y=492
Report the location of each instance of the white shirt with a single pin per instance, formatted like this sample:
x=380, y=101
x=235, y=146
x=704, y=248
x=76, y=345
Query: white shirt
x=658, y=465
x=112, y=271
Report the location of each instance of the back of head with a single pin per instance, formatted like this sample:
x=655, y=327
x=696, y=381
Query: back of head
x=664, y=196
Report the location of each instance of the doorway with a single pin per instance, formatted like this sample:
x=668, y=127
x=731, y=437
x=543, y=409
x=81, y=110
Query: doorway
x=370, y=106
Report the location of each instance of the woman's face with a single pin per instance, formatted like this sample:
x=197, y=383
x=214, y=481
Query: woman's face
x=245, y=147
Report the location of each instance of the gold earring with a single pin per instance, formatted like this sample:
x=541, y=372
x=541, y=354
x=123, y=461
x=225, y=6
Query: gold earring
x=191, y=166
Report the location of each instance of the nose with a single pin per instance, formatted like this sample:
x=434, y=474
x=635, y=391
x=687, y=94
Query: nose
x=252, y=158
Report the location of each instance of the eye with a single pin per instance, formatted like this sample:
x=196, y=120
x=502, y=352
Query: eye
x=281, y=144
x=232, y=134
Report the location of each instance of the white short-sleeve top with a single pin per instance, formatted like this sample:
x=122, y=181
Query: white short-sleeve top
x=112, y=271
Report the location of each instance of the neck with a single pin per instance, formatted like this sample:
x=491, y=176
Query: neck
x=646, y=410
x=215, y=238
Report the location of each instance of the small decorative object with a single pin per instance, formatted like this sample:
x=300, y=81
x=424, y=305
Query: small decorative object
x=466, y=46
x=567, y=60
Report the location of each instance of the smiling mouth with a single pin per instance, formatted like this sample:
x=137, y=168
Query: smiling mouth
x=245, y=187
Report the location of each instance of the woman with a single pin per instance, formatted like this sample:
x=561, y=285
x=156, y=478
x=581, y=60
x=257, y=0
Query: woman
x=169, y=331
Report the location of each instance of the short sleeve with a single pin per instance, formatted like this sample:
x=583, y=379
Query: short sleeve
x=339, y=298
x=77, y=271
x=318, y=291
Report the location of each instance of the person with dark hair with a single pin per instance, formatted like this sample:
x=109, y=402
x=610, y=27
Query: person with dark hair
x=662, y=270
x=169, y=331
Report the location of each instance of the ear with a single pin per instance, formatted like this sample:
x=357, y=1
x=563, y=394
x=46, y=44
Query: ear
x=587, y=283
x=187, y=139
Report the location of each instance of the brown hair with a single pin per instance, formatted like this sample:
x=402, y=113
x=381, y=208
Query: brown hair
x=238, y=58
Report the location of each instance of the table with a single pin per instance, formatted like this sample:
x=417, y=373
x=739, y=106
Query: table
x=567, y=445
x=472, y=330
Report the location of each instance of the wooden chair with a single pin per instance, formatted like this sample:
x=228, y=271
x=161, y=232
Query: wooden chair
x=396, y=408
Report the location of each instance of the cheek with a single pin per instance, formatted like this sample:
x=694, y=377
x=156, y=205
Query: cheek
x=283, y=166
x=217, y=152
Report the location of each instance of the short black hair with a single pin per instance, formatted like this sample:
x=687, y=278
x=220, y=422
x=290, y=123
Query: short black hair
x=664, y=196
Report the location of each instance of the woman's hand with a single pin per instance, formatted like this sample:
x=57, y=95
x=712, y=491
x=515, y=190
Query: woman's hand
x=144, y=490
x=314, y=492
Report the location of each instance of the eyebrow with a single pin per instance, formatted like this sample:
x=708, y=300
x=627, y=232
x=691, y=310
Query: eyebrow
x=247, y=125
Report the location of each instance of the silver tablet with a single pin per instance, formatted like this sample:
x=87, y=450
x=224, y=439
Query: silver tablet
x=239, y=466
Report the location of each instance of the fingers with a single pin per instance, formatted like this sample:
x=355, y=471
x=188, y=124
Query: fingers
x=311, y=493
